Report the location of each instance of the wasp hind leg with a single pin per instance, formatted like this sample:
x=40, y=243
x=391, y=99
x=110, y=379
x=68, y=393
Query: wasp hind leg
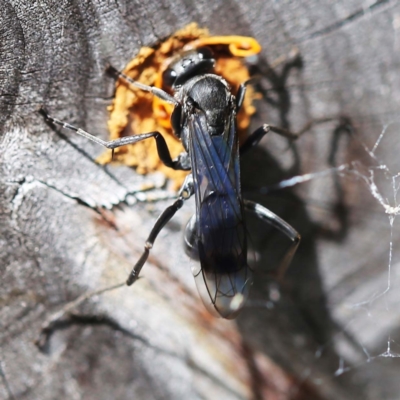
x=272, y=219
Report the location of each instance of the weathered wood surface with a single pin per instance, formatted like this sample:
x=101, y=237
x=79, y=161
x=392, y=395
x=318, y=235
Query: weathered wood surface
x=155, y=340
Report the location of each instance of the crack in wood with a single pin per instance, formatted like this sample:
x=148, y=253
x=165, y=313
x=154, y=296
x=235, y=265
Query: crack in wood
x=355, y=16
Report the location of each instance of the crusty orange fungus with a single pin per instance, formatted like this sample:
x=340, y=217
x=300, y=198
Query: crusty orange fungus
x=134, y=111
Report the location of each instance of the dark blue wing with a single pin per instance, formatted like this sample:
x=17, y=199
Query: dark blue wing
x=224, y=278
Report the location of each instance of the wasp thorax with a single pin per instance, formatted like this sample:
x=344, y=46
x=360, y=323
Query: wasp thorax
x=211, y=96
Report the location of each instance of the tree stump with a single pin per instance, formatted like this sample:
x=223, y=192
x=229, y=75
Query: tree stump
x=70, y=226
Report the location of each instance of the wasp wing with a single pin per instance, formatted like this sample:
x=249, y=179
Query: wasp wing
x=220, y=231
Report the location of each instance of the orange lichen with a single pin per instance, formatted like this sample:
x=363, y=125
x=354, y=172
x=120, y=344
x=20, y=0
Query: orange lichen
x=134, y=111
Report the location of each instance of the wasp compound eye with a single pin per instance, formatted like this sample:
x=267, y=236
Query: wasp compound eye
x=188, y=65
x=205, y=53
x=169, y=77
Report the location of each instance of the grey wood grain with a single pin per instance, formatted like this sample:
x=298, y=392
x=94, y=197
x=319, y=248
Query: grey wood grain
x=68, y=225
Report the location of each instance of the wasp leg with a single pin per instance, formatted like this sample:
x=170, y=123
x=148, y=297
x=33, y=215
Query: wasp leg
x=288, y=134
x=240, y=95
x=259, y=133
x=185, y=192
x=254, y=139
x=295, y=135
x=152, y=89
x=163, y=152
x=271, y=218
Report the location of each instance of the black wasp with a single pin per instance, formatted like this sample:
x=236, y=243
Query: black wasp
x=204, y=119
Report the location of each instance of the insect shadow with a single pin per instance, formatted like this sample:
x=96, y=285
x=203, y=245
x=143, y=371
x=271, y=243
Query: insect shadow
x=296, y=304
